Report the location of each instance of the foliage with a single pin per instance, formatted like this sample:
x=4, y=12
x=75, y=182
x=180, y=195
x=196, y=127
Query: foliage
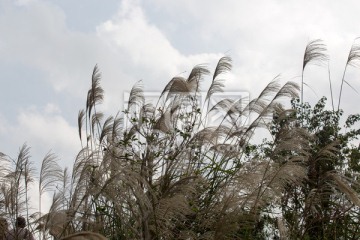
x=326, y=204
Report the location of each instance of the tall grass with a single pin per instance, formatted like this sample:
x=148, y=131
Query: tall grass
x=165, y=171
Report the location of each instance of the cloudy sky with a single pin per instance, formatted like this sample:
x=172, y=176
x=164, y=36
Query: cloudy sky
x=48, y=49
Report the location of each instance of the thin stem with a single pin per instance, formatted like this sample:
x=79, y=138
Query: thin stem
x=302, y=87
x=342, y=83
x=331, y=92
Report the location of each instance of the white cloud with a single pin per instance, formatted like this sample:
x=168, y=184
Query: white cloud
x=51, y=108
x=43, y=131
x=33, y=193
x=24, y=2
x=143, y=43
x=3, y=124
x=48, y=131
x=145, y=50
x=265, y=38
x=36, y=35
x=127, y=48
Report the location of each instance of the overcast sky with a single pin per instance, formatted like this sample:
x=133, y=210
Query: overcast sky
x=48, y=49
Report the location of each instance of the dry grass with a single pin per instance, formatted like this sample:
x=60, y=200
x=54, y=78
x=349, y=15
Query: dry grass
x=164, y=172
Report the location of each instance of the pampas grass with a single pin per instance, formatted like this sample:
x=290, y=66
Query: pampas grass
x=164, y=171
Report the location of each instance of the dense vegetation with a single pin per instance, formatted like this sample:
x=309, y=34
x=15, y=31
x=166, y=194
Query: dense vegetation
x=166, y=171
